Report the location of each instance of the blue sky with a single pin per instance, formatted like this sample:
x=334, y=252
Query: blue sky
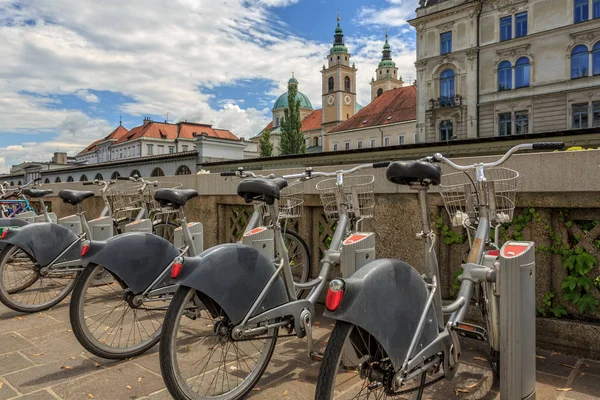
x=72, y=68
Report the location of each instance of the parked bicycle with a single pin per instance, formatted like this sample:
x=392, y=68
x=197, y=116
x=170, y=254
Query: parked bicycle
x=390, y=337
x=14, y=203
x=223, y=322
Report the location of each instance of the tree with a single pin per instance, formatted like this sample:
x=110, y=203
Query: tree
x=266, y=146
x=292, y=139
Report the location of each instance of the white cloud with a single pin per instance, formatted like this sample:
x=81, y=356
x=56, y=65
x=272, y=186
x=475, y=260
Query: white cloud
x=395, y=14
x=87, y=96
x=277, y=3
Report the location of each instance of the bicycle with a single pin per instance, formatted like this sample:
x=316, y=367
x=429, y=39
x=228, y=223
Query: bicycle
x=390, y=333
x=19, y=207
x=224, y=319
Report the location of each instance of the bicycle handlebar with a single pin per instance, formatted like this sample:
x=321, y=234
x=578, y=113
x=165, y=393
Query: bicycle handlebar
x=229, y=173
x=87, y=183
x=438, y=157
x=123, y=178
x=309, y=173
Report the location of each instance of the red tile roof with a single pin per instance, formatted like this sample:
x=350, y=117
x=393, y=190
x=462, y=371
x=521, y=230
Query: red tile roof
x=116, y=134
x=393, y=106
x=312, y=121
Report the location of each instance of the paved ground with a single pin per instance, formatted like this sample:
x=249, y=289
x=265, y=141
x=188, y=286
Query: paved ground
x=41, y=359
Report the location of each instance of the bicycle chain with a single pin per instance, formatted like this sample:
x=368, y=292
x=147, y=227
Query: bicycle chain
x=264, y=337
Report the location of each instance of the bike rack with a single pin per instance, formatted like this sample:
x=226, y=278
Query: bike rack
x=516, y=280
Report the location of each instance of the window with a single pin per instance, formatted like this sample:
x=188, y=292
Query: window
x=347, y=146
x=184, y=147
x=447, y=87
x=401, y=139
x=330, y=84
x=522, y=72
x=386, y=141
x=506, y=28
x=596, y=114
x=521, y=24
x=135, y=173
x=183, y=170
x=83, y=178
x=596, y=8
x=580, y=116
x=445, y=131
x=596, y=59
x=504, y=124
x=372, y=143
x=316, y=141
x=446, y=43
x=379, y=92
x=171, y=149
x=277, y=122
x=581, y=10
x=504, y=76
x=161, y=149
x=521, y=122
x=579, y=62
x=347, y=85
x=157, y=172
x=335, y=147
x=359, y=144
x=150, y=149
x=98, y=176
x=69, y=179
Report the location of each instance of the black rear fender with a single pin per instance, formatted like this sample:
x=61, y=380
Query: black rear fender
x=233, y=275
x=45, y=241
x=136, y=258
x=386, y=299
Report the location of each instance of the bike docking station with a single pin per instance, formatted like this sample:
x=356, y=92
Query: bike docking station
x=516, y=282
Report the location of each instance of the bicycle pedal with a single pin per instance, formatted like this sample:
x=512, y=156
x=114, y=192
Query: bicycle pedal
x=471, y=331
x=316, y=356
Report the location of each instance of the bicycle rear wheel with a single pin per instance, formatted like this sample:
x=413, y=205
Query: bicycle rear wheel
x=198, y=357
x=105, y=319
x=23, y=286
x=299, y=257
x=164, y=229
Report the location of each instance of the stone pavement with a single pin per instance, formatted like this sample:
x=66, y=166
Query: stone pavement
x=41, y=359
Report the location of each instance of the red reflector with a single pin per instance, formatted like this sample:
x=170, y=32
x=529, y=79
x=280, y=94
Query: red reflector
x=333, y=299
x=85, y=249
x=4, y=234
x=176, y=270
x=494, y=253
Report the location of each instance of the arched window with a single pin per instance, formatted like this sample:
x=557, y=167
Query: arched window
x=447, y=87
x=12, y=183
x=277, y=122
x=135, y=172
x=19, y=183
x=83, y=178
x=115, y=175
x=157, y=172
x=445, y=131
x=46, y=180
x=57, y=180
x=98, y=176
x=69, y=178
x=522, y=72
x=379, y=92
x=330, y=84
x=596, y=57
x=347, y=85
x=183, y=170
x=579, y=62
x=504, y=75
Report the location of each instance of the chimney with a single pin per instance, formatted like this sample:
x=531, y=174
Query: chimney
x=147, y=120
x=59, y=158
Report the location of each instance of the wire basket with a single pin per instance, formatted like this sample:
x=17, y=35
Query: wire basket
x=153, y=205
x=125, y=198
x=358, y=196
x=462, y=198
x=291, y=201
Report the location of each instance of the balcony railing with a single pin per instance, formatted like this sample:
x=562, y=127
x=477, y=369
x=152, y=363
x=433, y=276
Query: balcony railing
x=446, y=101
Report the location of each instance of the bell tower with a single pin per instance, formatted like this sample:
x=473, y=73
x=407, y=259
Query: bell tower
x=386, y=74
x=339, y=83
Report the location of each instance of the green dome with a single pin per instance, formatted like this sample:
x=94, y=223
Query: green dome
x=293, y=80
x=386, y=63
x=337, y=48
x=282, y=101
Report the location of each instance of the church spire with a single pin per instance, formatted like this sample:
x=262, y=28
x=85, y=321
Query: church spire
x=338, y=41
x=386, y=60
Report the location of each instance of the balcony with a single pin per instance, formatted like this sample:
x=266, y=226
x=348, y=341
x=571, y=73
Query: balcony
x=446, y=101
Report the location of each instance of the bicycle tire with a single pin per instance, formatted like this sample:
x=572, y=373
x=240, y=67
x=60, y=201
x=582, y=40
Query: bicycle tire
x=304, y=273
x=169, y=366
x=8, y=297
x=165, y=230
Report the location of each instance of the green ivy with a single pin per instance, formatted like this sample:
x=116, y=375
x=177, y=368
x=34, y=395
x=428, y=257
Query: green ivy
x=448, y=235
x=546, y=308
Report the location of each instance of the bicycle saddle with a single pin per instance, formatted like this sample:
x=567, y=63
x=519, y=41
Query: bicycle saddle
x=35, y=193
x=174, y=197
x=258, y=189
x=409, y=172
x=74, y=197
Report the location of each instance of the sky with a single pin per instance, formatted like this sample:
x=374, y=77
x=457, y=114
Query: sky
x=71, y=69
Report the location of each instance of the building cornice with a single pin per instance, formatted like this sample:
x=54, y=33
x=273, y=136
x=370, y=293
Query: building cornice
x=369, y=127
x=493, y=5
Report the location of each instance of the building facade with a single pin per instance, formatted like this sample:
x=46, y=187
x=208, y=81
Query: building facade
x=506, y=67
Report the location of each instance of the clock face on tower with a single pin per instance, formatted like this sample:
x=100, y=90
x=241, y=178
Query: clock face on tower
x=330, y=100
x=347, y=100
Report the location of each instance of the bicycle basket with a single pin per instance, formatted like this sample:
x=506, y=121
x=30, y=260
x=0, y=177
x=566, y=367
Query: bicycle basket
x=462, y=198
x=358, y=196
x=124, y=198
x=291, y=201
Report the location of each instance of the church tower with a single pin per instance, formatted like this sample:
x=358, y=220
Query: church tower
x=339, y=84
x=387, y=77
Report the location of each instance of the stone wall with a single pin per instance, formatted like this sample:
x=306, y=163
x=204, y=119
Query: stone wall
x=554, y=184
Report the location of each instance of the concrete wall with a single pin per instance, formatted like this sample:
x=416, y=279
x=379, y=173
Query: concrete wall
x=550, y=182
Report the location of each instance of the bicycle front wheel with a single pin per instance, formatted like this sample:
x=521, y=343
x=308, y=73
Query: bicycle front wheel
x=299, y=257
x=105, y=319
x=198, y=358
x=23, y=285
